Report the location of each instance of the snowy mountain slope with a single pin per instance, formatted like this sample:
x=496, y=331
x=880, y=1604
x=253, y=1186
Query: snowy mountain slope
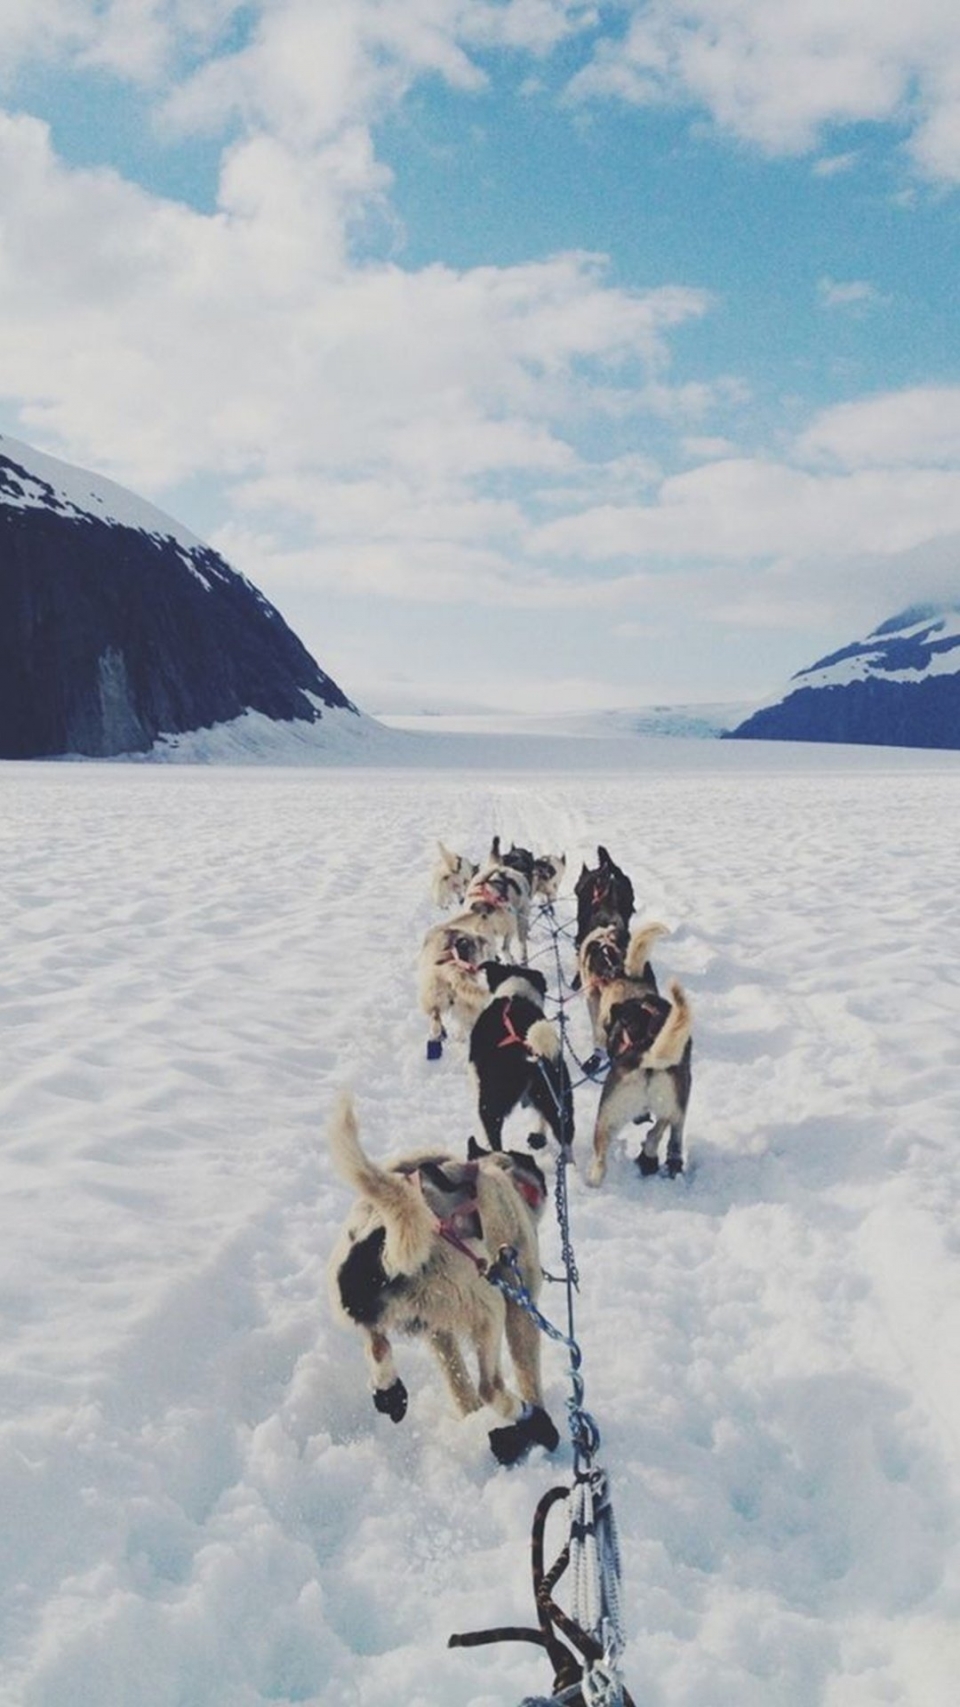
x=200, y=1503
x=898, y=687
x=120, y=627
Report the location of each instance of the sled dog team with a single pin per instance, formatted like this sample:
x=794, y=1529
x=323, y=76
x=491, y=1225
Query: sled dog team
x=427, y=1229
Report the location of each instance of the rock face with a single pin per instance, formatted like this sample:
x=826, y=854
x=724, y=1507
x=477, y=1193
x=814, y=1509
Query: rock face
x=900, y=687
x=118, y=626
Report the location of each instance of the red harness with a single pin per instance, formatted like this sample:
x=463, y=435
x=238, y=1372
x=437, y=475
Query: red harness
x=510, y=1032
x=492, y=897
x=452, y=958
x=449, y=1227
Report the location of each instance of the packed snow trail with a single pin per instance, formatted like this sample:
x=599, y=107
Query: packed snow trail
x=201, y=1504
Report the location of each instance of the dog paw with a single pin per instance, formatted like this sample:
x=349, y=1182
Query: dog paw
x=648, y=1164
x=514, y=1441
x=595, y=1173
x=392, y=1401
x=674, y=1166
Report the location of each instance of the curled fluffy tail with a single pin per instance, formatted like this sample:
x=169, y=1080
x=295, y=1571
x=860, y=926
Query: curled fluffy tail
x=671, y=1040
x=408, y=1223
x=639, y=947
x=542, y=1040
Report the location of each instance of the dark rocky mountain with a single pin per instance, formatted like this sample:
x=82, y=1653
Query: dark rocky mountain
x=900, y=687
x=117, y=626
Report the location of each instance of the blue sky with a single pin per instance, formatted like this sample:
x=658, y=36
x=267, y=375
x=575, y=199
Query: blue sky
x=524, y=352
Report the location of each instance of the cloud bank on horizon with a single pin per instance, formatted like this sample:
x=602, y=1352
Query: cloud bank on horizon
x=520, y=350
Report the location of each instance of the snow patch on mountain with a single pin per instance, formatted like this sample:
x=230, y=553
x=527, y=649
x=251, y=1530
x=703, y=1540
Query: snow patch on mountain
x=35, y=481
x=900, y=686
x=122, y=632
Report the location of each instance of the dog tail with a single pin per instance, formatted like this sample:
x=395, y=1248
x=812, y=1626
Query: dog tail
x=638, y=949
x=408, y=1223
x=543, y=1041
x=671, y=1040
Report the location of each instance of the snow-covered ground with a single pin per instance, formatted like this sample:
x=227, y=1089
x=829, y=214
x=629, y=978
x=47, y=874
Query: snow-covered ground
x=201, y=1507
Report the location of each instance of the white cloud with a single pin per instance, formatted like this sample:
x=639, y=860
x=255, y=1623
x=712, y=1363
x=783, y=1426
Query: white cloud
x=420, y=434
x=918, y=427
x=260, y=345
x=138, y=40
x=854, y=294
x=781, y=76
x=832, y=165
x=749, y=510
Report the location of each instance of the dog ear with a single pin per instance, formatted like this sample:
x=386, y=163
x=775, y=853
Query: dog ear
x=603, y=858
x=475, y=1150
x=537, y=979
x=494, y=973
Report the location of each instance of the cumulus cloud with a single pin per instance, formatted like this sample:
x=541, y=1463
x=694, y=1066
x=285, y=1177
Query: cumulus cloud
x=782, y=76
x=918, y=427
x=747, y=510
x=259, y=342
x=140, y=40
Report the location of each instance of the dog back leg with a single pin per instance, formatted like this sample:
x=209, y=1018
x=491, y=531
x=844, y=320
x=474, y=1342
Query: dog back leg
x=552, y=1097
x=618, y=1104
x=492, y=1116
x=448, y=1355
x=491, y=1386
x=675, y=1146
x=648, y=1160
x=389, y=1392
x=533, y=1427
x=523, y=1339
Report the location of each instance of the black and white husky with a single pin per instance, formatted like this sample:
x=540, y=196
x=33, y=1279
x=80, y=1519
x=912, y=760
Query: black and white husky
x=516, y=1057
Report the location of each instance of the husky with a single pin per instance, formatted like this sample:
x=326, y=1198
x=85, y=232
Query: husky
x=548, y=874
x=506, y=889
x=648, y=1040
x=612, y=967
x=413, y=1259
x=450, y=958
x=450, y=876
x=516, y=1057
x=604, y=896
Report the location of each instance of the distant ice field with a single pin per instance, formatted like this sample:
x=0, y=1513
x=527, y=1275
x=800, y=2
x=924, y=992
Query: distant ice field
x=201, y=1507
